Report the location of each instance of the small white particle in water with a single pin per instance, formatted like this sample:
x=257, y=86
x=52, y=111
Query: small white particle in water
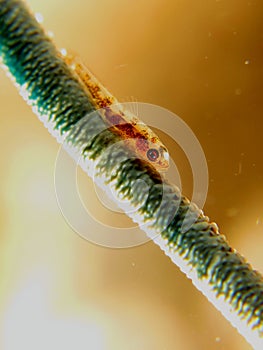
x=133, y=264
x=123, y=65
x=50, y=34
x=39, y=17
x=63, y=52
x=217, y=339
x=247, y=62
x=258, y=221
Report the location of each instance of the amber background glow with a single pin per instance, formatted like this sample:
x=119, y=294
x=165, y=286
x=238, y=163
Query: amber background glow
x=203, y=60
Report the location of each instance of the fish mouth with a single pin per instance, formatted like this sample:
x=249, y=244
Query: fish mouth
x=162, y=166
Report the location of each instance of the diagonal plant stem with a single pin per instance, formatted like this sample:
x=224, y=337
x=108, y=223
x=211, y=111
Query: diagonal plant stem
x=47, y=83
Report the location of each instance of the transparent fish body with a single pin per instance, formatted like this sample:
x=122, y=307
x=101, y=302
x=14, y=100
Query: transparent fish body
x=136, y=134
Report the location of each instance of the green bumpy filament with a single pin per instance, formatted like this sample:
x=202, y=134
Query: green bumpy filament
x=61, y=103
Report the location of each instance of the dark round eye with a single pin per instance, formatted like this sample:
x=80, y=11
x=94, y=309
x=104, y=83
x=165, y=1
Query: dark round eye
x=152, y=154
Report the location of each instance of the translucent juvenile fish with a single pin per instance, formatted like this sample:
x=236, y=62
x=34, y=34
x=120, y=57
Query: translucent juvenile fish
x=127, y=125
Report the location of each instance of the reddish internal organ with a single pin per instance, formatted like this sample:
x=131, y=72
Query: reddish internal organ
x=128, y=131
x=138, y=138
x=142, y=145
x=114, y=118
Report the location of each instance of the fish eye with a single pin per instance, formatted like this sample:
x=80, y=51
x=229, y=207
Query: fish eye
x=152, y=154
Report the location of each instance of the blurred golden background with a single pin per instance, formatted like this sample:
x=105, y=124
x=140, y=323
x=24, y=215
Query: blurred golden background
x=201, y=60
